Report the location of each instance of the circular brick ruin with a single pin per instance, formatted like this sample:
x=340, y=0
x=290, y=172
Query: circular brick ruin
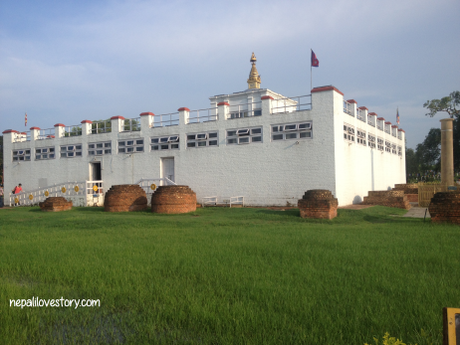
x=318, y=203
x=125, y=198
x=55, y=204
x=173, y=199
x=445, y=207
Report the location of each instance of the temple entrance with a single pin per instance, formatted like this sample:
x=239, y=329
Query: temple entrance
x=167, y=168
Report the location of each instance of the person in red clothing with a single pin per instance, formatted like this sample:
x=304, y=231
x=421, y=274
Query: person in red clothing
x=17, y=190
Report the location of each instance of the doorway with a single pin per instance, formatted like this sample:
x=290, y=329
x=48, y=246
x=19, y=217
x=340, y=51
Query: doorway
x=95, y=171
x=167, y=168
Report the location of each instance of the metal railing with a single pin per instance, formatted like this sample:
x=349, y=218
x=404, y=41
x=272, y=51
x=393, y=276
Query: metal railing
x=361, y=115
x=47, y=133
x=202, y=115
x=72, y=131
x=132, y=125
x=87, y=190
x=237, y=111
x=348, y=108
x=104, y=126
x=237, y=200
x=291, y=104
x=162, y=120
x=209, y=200
x=149, y=185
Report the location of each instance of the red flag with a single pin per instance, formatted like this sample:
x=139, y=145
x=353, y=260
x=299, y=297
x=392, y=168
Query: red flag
x=314, y=60
x=25, y=120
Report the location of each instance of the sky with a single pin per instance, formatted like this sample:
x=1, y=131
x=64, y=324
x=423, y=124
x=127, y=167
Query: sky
x=64, y=61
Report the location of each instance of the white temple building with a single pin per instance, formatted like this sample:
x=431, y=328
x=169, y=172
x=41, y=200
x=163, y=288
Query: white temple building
x=255, y=144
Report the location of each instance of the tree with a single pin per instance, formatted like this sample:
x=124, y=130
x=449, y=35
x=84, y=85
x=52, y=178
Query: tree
x=447, y=104
x=428, y=153
x=411, y=163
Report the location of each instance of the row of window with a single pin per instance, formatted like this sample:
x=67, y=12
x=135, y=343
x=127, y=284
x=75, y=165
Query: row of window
x=372, y=141
x=233, y=137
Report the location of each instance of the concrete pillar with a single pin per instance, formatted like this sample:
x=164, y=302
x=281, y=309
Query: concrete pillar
x=447, y=152
x=223, y=108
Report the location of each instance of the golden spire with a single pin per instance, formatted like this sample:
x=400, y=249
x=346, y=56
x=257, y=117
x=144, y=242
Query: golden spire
x=254, y=77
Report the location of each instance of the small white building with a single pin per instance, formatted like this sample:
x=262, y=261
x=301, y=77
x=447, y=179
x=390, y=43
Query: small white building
x=254, y=143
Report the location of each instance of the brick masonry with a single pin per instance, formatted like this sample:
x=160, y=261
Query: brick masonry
x=125, y=198
x=173, y=199
x=445, y=207
x=318, y=203
x=55, y=204
x=389, y=198
x=410, y=190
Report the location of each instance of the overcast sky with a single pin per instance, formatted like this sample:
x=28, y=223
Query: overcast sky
x=66, y=61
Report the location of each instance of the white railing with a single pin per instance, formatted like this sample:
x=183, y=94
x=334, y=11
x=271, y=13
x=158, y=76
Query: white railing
x=162, y=120
x=88, y=191
x=149, y=185
x=361, y=115
x=245, y=110
x=47, y=133
x=213, y=200
x=237, y=200
x=202, y=115
x=209, y=200
x=20, y=137
x=291, y=104
x=348, y=108
x=72, y=131
x=132, y=125
x=104, y=126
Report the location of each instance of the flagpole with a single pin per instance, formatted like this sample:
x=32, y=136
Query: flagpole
x=311, y=73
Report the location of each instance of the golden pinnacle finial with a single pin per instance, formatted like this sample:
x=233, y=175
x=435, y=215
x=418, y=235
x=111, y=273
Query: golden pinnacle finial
x=254, y=77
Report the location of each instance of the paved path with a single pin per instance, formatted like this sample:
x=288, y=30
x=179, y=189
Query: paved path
x=418, y=212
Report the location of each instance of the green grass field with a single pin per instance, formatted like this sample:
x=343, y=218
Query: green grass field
x=226, y=276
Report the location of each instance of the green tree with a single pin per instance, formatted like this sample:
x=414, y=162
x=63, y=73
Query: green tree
x=446, y=104
x=411, y=163
x=428, y=153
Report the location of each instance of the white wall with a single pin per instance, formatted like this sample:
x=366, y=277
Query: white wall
x=267, y=173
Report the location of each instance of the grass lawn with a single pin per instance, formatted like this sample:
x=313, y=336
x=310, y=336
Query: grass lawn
x=226, y=276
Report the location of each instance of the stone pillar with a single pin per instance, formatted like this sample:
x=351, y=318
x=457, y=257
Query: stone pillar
x=447, y=152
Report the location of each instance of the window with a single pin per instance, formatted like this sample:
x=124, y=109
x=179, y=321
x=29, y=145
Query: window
x=371, y=141
x=244, y=136
x=164, y=143
x=380, y=144
x=348, y=132
x=202, y=139
x=387, y=146
x=21, y=155
x=100, y=148
x=44, y=153
x=393, y=149
x=71, y=151
x=399, y=150
x=131, y=146
x=361, y=137
x=289, y=131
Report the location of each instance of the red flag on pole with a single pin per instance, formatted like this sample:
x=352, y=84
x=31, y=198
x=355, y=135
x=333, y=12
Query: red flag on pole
x=397, y=116
x=25, y=120
x=314, y=60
